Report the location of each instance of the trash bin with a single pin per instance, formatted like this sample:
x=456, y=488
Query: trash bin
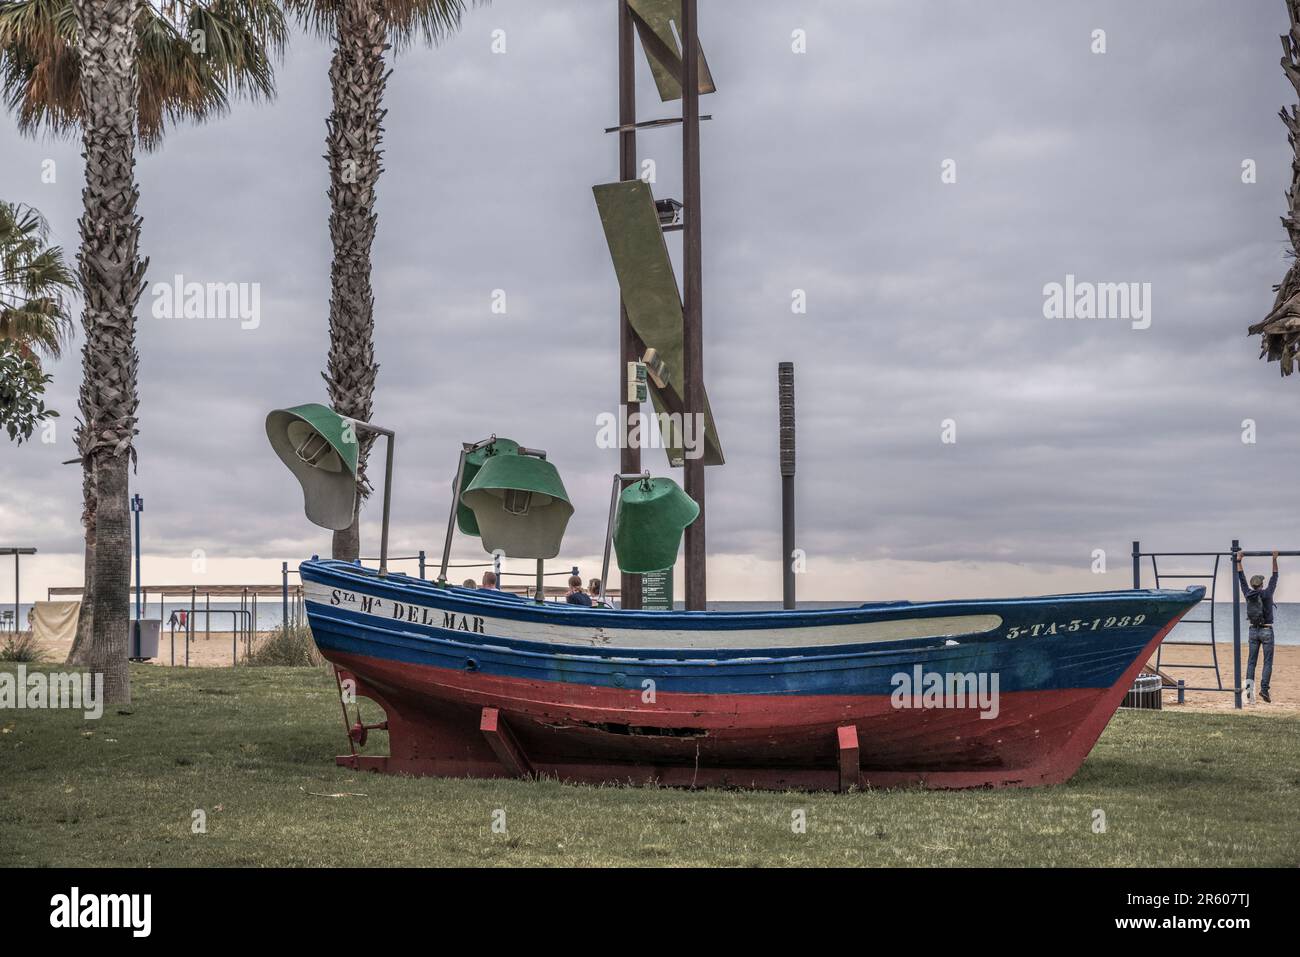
x=1145, y=693
x=143, y=643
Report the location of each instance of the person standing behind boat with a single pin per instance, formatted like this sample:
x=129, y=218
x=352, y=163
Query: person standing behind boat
x=597, y=598
x=1259, y=611
x=576, y=596
x=489, y=582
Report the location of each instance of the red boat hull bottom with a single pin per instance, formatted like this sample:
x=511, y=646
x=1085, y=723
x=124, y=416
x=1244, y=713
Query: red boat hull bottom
x=456, y=724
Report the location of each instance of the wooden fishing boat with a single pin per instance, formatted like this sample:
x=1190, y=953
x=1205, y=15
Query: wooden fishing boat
x=944, y=694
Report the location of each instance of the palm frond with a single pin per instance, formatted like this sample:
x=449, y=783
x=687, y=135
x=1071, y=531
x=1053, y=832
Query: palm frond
x=193, y=59
x=36, y=284
x=405, y=21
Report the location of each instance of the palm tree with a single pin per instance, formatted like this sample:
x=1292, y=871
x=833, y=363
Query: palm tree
x=35, y=316
x=119, y=71
x=35, y=284
x=362, y=31
x=192, y=57
x=1280, y=329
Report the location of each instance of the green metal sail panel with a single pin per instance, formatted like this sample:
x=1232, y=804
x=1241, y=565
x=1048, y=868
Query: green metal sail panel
x=650, y=293
x=655, y=20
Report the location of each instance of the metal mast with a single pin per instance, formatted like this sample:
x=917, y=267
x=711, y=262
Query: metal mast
x=693, y=300
x=629, y=459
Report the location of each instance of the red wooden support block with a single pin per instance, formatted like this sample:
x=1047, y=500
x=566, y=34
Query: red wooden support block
x=850, y=769
x=503, y=743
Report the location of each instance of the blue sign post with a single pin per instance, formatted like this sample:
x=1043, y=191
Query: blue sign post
x=137, y=506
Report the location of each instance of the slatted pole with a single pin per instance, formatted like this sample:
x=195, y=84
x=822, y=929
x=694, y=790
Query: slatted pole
x=693, y=327
x=785, y=402
x=629, y=458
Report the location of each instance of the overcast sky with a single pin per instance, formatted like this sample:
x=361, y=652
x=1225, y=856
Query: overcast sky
x=822, y=172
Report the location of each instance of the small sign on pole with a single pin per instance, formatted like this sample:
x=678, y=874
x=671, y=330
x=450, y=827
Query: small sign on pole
x=636, y=382
x=657, y=590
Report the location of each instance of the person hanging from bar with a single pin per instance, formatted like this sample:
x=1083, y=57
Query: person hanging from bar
x=1259, y=612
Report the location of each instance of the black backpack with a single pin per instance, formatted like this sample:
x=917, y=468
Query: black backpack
x=1255, y=607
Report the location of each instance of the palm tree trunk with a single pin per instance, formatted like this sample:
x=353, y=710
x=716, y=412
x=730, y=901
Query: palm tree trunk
x=79, y=654
x=354, y=131
x=112, y=277
x=112, y=580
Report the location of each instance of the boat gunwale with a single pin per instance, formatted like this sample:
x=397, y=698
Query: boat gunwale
x=710, y=657
x=405, y=588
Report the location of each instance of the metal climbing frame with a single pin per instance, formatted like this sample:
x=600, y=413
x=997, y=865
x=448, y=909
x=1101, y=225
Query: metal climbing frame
x=1211, y=592
x=1208, y=620
x=1160, y=576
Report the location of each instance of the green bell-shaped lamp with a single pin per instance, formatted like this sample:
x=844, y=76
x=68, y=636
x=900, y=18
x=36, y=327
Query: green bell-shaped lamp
x=519, y=505
x=652, y=515
x=474, y=461
x=320, y=447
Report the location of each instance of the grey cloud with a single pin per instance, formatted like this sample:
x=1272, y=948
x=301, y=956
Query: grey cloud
x=821, y=173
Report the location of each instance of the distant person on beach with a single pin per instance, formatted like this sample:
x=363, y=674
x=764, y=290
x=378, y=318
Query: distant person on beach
x=469, y=583
x=594, y=589
x=1259, y=611
x=576, y=595
x=489, y=582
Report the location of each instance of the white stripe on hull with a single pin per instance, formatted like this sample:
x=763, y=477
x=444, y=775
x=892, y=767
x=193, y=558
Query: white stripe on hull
x=391, y=613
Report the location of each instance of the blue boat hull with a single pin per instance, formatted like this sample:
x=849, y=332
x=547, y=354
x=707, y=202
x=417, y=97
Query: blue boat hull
x=943, y=693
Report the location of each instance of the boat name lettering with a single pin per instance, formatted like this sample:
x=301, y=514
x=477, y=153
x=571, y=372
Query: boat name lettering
x=451, y=621
x=368, y=603
x=1074, y=625
x=417, y=615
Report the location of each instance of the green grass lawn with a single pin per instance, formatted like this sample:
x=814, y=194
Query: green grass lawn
x=250, y=746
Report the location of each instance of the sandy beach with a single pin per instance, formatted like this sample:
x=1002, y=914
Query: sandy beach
x=1285, y=690
x=213, y=652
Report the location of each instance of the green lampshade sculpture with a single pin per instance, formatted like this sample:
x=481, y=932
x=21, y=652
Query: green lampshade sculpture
x=474, y=461
x=320, y=447
x=652, y=515
x=519, y=505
